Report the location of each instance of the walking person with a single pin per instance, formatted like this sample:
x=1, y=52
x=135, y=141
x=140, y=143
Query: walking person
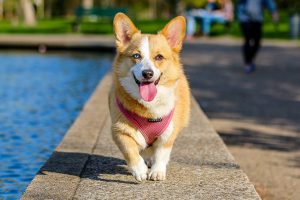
x=250, y=16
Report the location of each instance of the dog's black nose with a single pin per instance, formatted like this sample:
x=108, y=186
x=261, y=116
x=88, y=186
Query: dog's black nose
x=147, y=73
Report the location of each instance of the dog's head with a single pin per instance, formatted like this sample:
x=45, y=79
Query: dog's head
x=147, y=64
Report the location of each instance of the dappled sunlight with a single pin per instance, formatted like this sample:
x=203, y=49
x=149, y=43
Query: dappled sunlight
x=267, y=96
x=256, y=115
x=230, y=126
x=261, y=137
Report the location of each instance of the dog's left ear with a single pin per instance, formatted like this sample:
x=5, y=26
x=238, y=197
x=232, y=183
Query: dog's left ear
x=174, y=32
x=124, y=30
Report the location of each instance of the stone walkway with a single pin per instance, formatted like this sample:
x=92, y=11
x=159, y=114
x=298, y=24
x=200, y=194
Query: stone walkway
x=88, y=165
x=257, y=115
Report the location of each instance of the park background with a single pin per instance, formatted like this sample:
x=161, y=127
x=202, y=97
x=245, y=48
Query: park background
x=59, y=16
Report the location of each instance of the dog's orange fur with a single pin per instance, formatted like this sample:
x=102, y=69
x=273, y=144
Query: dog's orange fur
x=128, y=43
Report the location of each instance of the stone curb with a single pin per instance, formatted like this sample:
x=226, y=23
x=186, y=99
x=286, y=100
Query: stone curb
x=94, y=42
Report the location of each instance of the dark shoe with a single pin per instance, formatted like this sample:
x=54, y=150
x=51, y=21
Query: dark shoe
x=250, y=68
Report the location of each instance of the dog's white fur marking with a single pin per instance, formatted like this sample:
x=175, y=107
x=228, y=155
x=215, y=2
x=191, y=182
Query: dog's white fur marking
x=140, y=170
x=145, y=47
x=159, y=167
x=146, y=62
x=130, y=86
x=139, y=138
x=164, y=100
x=161, y=156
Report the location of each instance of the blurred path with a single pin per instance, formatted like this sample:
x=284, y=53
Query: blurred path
x=257, y=115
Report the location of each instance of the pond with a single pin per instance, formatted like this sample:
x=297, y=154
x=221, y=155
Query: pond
x=40, y=96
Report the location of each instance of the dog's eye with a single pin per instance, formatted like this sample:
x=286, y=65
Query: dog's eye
x=137, y=56
x=159, y=57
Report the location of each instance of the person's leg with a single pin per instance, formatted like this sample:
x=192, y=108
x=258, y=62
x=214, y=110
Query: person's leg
x=248, y=46
x=206, y=23
x=256, y=38
x=246, y=49
x=190, y=27
x=255, y=32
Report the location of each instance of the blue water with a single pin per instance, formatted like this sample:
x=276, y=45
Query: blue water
x=40, y=97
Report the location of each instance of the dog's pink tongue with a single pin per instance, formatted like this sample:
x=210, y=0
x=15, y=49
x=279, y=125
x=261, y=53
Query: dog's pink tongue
x=148, y=91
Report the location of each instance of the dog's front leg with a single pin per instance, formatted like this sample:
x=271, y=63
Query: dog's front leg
x=130, y=151
x=160, y=160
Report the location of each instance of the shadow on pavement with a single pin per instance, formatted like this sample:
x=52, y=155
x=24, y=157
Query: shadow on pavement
x=86, y=166
x=260, y=140
x=270, y=96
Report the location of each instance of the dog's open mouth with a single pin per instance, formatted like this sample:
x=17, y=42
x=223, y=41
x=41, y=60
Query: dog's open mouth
x=147, y=89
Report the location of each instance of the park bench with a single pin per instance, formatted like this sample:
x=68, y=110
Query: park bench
x=94, y=14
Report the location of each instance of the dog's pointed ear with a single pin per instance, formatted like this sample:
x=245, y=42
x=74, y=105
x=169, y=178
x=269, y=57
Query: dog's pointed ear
x=124, y=30
x=174, y=32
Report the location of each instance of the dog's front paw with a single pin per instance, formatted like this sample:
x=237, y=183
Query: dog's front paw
x=157, y=173
x=140, y=170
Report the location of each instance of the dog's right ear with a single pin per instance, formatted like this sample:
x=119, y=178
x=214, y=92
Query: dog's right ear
x=124, y=30
x=174, y=32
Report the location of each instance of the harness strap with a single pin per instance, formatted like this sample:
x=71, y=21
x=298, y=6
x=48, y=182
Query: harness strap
x=151, y=129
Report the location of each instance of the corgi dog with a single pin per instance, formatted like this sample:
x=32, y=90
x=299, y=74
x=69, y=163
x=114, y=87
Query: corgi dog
x=150, y=97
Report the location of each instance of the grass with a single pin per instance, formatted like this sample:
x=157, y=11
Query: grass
x=279, y=30
x=43, y=26
x=270, y=30
x=62, y=26
x=105, y=27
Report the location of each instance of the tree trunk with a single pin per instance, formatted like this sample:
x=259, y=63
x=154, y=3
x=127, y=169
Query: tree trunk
x=87, y=4
x=28, y=12
x=1, y=9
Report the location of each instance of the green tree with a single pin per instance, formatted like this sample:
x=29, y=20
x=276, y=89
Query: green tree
x=195, y=3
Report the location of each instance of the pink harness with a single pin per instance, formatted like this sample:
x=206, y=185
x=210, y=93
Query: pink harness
x=150, y=128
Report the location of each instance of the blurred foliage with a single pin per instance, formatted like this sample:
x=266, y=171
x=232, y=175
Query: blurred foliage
x=55, y=8
x=291, y=6
x=58, y=17
x=105, y=27
x=195, y=4
x=279, y=30
x=148, y=9
x=11, y=8
x=44, y=26
x=63, y=25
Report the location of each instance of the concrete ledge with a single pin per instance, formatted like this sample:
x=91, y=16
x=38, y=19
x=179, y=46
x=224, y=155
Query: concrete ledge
x=88, y=165
x=100, y=42
x=64, y=42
